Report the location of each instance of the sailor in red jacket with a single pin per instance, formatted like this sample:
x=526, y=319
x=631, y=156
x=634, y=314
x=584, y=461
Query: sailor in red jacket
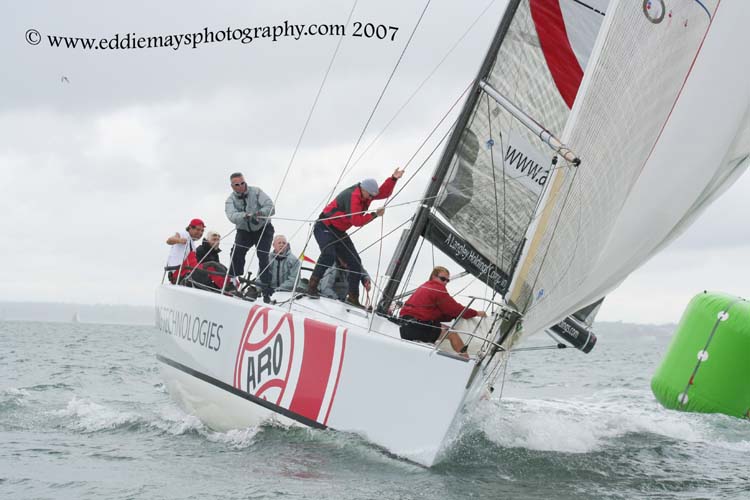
x=428, y=306
x=348, y=209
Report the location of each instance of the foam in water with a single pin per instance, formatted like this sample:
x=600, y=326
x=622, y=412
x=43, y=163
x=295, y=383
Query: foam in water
x=92, y=417
x=12, y=393
x=579, y=426
x=87, y=416
x=237, y=439
x=176, y=422
x=13, y=397
x=173, y=420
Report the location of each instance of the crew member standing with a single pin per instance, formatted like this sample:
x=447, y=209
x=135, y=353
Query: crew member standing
x=348, y=209
x=247, y=208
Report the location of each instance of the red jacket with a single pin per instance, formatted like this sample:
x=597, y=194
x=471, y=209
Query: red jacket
x=190, y=263
x=432, y=302
x=350, y=201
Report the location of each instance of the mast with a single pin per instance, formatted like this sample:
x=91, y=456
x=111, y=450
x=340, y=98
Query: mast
x=401, y=258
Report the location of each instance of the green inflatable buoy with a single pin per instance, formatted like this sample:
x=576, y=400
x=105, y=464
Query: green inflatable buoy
x=707, y=366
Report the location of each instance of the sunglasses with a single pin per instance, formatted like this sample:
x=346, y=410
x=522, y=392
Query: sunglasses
x=238, y=184
x=444, y=279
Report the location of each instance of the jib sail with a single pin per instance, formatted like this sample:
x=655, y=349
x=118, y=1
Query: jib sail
x=641, y=181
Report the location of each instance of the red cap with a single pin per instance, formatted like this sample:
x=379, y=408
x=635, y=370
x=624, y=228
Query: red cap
x=196, y=223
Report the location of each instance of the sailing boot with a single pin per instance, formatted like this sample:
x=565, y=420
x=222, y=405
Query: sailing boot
x=353, y=300
x=312, y=288
x=267, y=292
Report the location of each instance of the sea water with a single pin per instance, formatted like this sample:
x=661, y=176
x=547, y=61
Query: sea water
x=85, y=415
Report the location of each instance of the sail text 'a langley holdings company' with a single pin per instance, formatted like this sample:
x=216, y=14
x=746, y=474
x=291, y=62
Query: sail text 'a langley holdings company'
x=463, y=253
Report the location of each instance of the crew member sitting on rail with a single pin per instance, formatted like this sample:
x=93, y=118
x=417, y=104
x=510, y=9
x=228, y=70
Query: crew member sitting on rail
x=209, y=250
x=428, y=306
x=283, y=266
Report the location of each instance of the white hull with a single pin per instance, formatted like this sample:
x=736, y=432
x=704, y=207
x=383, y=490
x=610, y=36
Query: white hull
x=235, y=364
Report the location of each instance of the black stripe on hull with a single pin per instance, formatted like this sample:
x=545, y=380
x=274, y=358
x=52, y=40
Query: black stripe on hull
x=242, y=394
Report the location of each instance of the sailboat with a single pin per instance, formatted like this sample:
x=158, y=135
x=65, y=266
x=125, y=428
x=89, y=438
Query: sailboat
x=595, y=132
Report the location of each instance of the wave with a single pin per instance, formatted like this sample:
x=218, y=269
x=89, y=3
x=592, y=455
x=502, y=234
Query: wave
x=237, y=439
x=588, y=424
x=12, y=397
x=87, y=416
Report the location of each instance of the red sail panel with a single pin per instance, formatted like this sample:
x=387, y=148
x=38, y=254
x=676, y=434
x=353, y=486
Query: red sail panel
x=553, y=37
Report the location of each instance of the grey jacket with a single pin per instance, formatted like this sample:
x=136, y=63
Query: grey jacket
x=283, y=269
x=256, y=202
x=335, y=283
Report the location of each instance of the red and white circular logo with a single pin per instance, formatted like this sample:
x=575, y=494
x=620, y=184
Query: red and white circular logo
x=264, y=357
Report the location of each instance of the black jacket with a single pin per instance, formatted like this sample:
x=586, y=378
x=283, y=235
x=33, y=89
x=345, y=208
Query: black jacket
x=210, y=254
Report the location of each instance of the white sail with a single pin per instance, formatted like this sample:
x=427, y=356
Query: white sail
x=661, y=126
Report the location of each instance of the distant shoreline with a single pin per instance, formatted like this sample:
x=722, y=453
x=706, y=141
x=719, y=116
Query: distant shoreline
x=118, y=314
x=58, y=312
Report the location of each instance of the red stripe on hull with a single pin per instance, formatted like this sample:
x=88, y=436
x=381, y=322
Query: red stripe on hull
x=338, y=376
x=320, y=341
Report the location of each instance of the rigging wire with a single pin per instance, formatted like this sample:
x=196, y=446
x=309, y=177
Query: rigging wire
x=444, y=58
x=386, y=235
x=334, y=217
x=403, y=106
x=372, y=112
x=499, y=248
x=551, y=238
x=445, y=136
x=399, y=111
x=426, y=79
x=424, y=162
x=380, y=98
x=405, y=283
x=304, y=128
x=505, y=372
x=481, y=14
x=373, y=283
x=568, y=266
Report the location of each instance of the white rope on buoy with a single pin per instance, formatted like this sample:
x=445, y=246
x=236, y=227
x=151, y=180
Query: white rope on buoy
x=703, y=354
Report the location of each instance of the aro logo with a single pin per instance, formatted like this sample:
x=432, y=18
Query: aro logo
x=264, y=359
x=292, y=362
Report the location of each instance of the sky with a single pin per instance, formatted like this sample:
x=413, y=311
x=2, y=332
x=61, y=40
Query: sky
x=106, y=153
